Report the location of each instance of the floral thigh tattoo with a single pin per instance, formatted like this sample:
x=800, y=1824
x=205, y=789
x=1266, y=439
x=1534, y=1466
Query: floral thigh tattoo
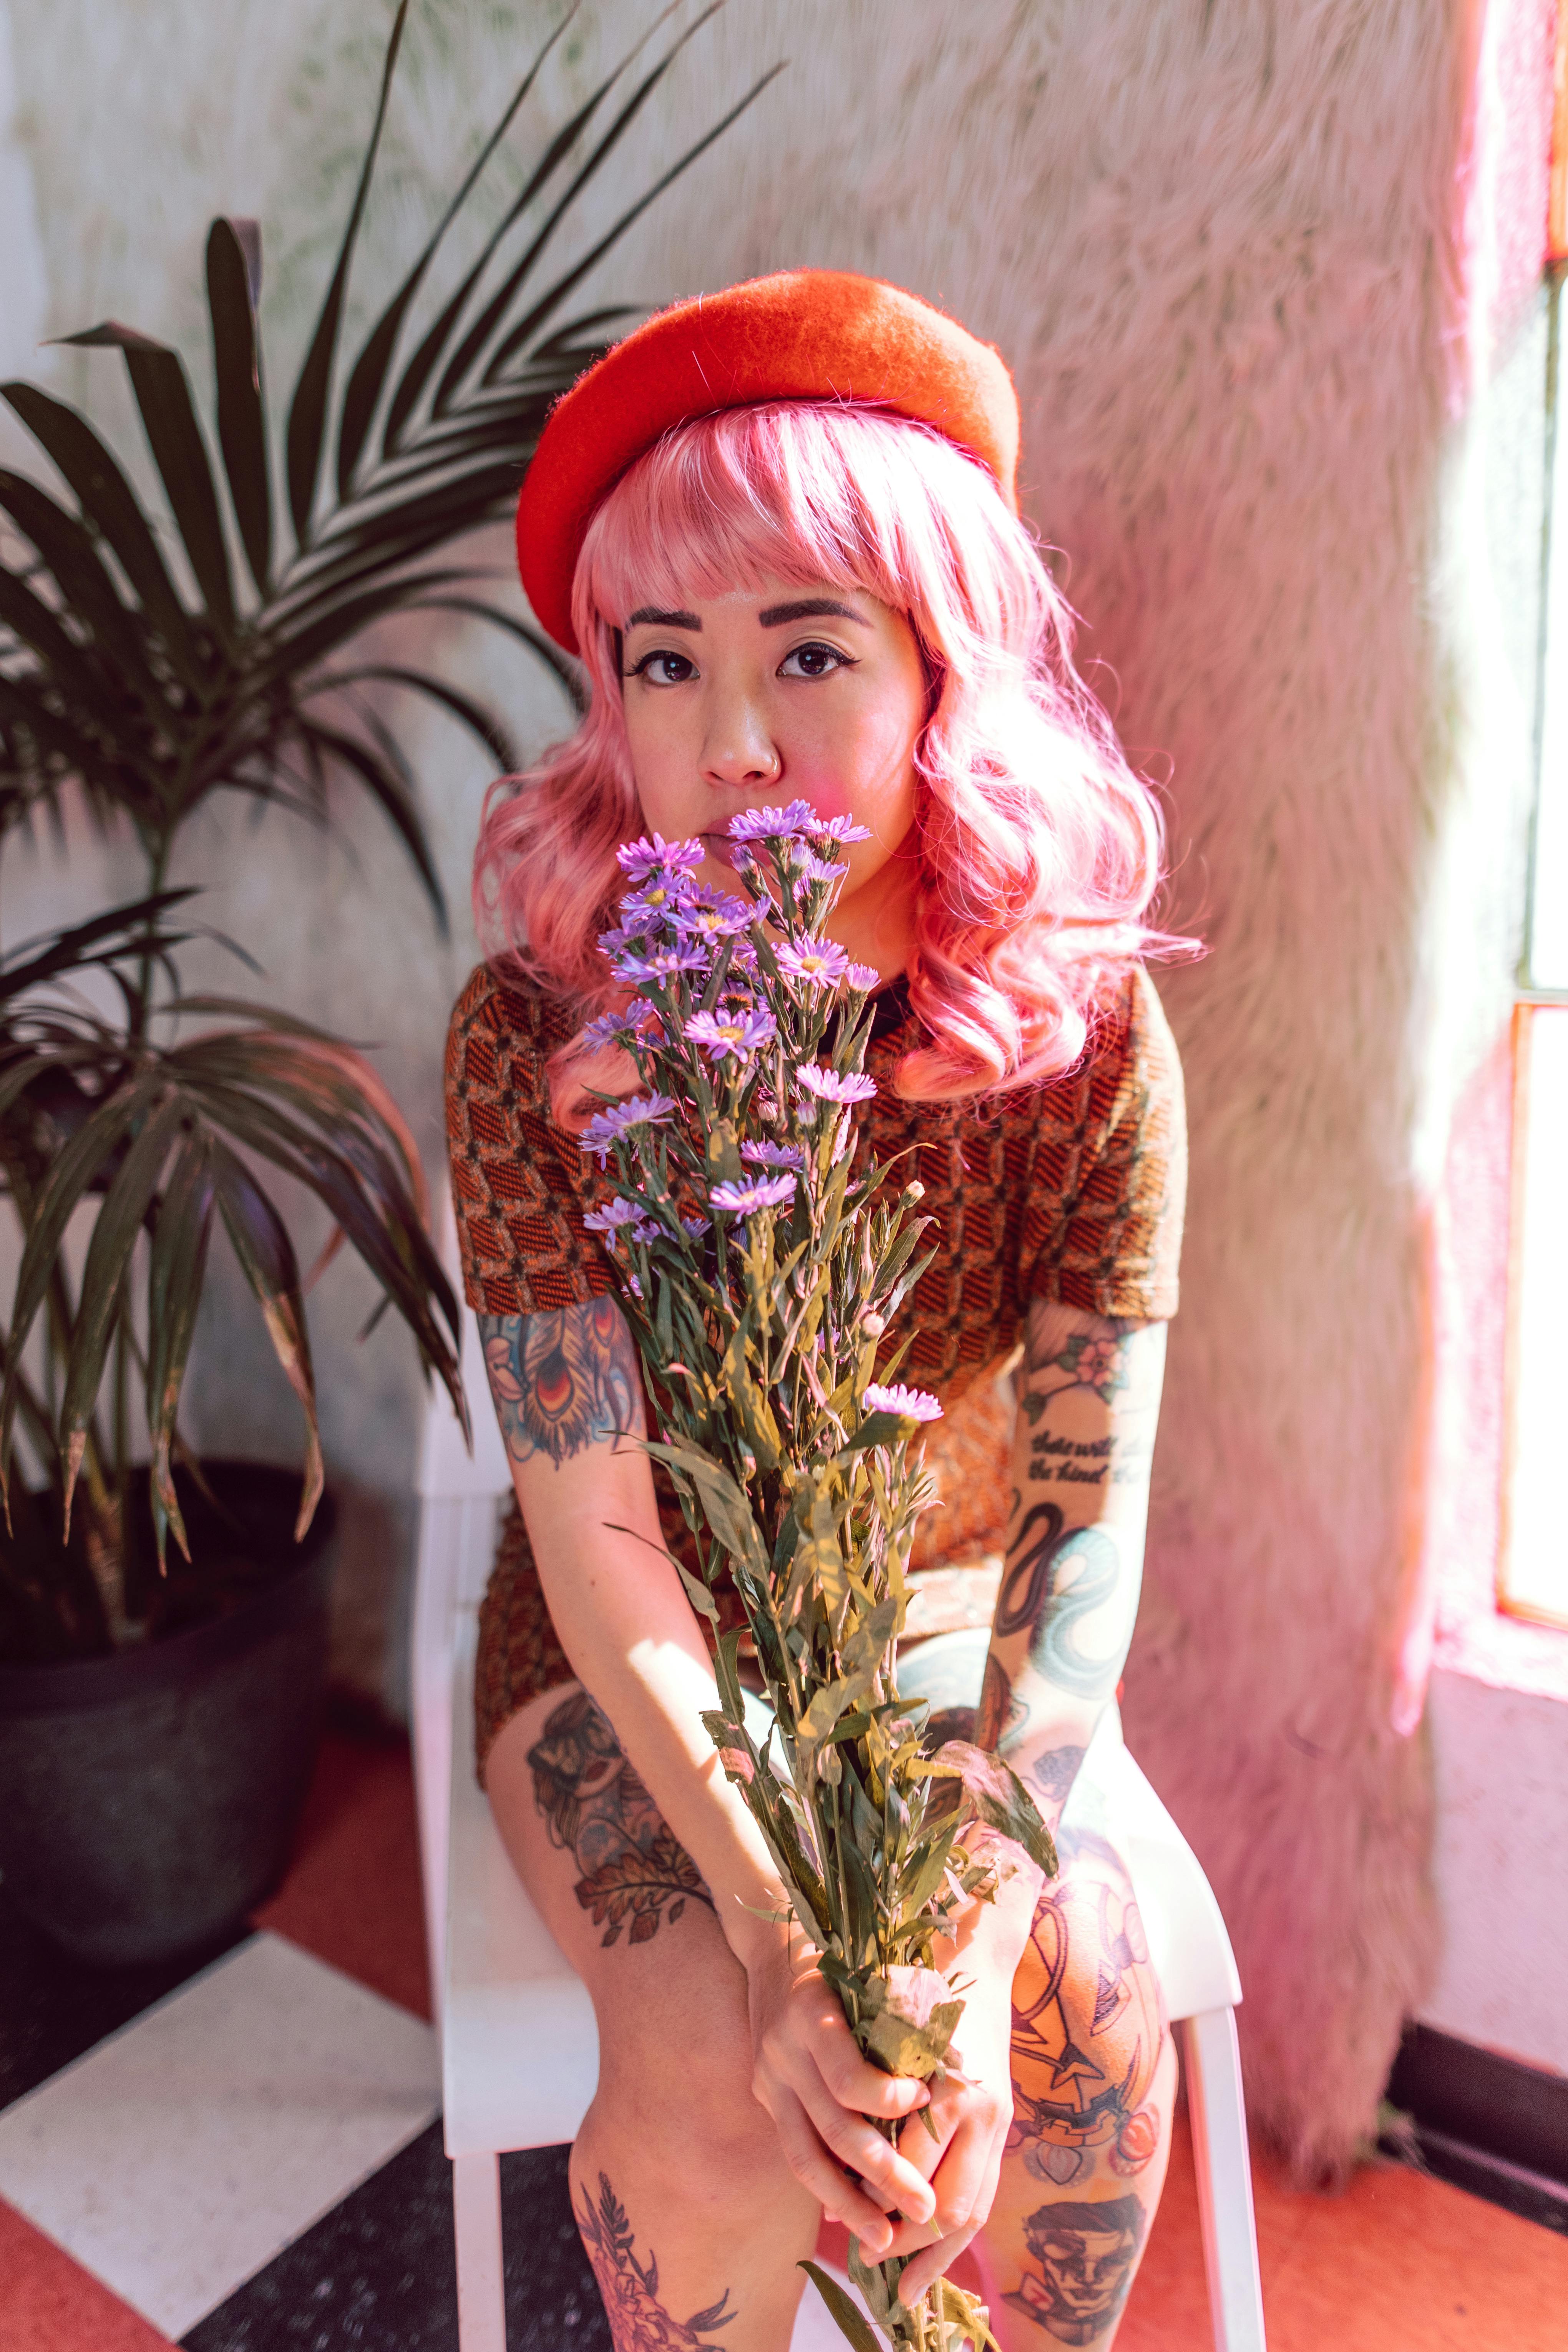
x=635, y=1873
x=639, y=2321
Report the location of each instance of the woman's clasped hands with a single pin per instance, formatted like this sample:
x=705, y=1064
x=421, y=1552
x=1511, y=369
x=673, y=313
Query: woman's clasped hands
x=931, y=2194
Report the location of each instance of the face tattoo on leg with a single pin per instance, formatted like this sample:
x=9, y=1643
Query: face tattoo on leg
x=1086, y=2254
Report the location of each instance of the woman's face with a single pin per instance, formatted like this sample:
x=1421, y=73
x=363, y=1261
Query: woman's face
x=790, y=693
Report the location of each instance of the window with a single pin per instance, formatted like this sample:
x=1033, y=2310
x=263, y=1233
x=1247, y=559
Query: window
x=1533, y=1555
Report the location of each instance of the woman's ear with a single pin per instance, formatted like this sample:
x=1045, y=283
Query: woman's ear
x=579, y=1082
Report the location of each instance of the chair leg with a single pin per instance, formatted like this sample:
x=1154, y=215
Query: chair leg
x=476, y=2215
x=1213, y=2058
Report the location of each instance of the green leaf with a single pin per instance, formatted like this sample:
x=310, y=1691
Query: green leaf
x=233, y=283
x=728, y=1512
x=491, y=731
x=109, y=501
x=115, y=1228
x=569, y=672
x=73, y=559
x=751, y=1407
x=307, y=410
x=992, y=1794
x=74, y=671
x=552, y=300
x=266, y=1254
x=81, y=1160
x=368, y=375
x=851, y=2320
x=388, y=789
x=726, y=1673
x=164, y=396
x=298, y=640
x=905, y=2024
x=176, y=1269
x=697, y=1592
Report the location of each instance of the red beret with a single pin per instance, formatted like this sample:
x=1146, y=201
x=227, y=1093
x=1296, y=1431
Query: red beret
x=803, y=335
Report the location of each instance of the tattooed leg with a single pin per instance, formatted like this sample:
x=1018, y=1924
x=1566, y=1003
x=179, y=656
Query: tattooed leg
x=1094, y=2077
x=639, y=2321
x=679, y=2185
x=635, y=1874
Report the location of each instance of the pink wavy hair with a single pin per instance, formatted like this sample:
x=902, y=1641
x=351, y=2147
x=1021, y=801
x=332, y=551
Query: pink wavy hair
x=1039, y=848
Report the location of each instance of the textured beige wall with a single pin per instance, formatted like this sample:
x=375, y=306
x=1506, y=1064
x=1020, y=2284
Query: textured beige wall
x=1226, y=250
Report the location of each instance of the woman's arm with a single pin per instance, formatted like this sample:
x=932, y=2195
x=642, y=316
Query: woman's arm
x=569, y=1399
x=569, y=1404
x=1088, y=1409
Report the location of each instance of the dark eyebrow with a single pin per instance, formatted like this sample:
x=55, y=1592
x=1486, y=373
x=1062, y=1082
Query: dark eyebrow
x=810, y=608
x=651, y=613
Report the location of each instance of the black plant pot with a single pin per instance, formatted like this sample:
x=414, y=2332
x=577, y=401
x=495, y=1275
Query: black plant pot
x=148, y=1800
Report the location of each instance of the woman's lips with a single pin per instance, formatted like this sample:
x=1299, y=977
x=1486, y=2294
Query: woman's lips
x=719, y=847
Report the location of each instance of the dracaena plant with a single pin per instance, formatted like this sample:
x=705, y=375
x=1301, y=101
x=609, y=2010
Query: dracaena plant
x=759, y=1263
x=154, y=655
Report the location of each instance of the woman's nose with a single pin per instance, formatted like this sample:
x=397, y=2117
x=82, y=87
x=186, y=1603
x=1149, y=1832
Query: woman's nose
x=738, y=748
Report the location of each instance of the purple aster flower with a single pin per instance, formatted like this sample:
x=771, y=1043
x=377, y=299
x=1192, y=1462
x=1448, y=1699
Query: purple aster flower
x=821, y=963
x=697, y=1226
x=909, y=1404
x=843, y=828
x=864, y=977
x=655, y=903
x=773, y=824
x=762, y=1192
x=828, y=1087
x=609, y=1028
x=609, y=1126
x=659, y=963
x=663, y=963
x=773, y=1155
x=725, y=1033
x=614, y=1214
x=638, y=859
x=712, y=915
x=819, y=869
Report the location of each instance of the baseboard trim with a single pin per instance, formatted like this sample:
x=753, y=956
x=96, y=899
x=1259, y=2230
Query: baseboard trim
x=1486, y=2124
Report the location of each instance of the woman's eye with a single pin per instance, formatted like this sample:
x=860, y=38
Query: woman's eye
x=664, y=668
x=812, y=661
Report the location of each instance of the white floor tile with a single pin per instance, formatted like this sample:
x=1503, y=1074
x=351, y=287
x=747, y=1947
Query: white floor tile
x=178, y=2157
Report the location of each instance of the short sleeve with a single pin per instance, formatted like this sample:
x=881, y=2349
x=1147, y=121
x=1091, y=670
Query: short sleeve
x=519, y=1184
x=1102, y=1229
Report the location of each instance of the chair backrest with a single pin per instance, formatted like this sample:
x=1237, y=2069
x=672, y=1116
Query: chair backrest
x=460, y=1495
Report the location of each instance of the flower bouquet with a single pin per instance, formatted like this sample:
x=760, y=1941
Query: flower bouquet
x=760, y=1261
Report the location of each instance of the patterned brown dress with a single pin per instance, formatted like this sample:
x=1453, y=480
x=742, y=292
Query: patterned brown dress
x=1071, y=1191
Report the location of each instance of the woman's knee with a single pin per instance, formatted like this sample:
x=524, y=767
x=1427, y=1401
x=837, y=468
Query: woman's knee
x=1089, y=2033
x=691, y=2118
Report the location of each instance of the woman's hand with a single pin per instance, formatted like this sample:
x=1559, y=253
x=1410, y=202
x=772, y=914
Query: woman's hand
x=962, y=2161
x=819, y=2090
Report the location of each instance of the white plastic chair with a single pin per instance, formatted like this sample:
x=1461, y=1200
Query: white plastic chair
x=520, y=2051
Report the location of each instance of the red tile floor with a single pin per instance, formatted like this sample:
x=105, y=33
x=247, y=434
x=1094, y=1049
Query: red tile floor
x=1396, y=2264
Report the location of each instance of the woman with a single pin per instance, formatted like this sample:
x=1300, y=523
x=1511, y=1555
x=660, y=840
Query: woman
x=778, y=525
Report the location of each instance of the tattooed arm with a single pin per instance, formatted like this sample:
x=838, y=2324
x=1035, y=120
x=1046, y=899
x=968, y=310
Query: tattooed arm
x=569, y=1400
x=1088, y=1410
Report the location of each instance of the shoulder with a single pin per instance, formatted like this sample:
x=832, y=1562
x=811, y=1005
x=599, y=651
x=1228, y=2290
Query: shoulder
x=1133, y=1055
x=502, y=1030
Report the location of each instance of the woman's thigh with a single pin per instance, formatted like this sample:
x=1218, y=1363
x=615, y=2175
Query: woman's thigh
x=621, y=1896
x=689, y=2213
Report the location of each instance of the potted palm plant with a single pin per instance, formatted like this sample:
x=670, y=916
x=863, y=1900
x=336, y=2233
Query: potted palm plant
x=161, y=1618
